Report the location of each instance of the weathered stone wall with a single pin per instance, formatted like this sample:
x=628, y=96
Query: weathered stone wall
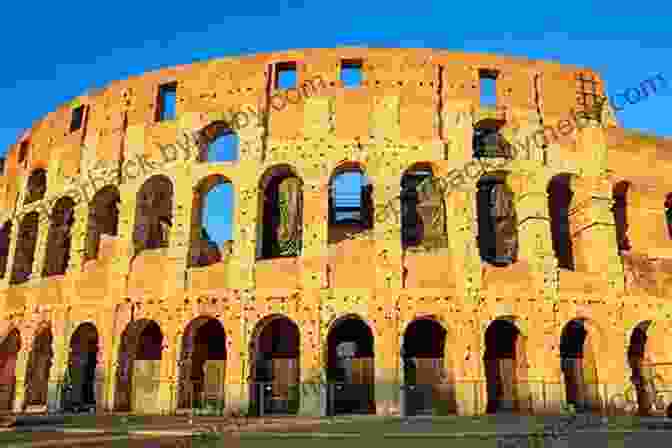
x=413, y=106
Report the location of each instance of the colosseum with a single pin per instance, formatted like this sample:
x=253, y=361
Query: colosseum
x=538, y=279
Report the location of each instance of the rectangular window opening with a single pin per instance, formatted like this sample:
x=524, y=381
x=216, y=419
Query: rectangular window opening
x=167, y=100
x=488, y=83
x=77, y=118
x=285, y=75
x=351, y=72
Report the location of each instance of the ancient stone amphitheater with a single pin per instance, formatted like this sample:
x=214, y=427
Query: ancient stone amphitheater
x=539, y=278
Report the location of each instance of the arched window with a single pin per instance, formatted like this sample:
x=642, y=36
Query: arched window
x=154, y=214
x=422, y=208
x=25, y=249
x=668, y=214
x=59, y=238
x=489, y=142
x=212, y=220
x=350, y=203
x=37, y=186
x=103, y=219
x=559, y=202
x=281, y=213
x=219, y=143
x=620, y=208
x=497, y=221
x=5, y=237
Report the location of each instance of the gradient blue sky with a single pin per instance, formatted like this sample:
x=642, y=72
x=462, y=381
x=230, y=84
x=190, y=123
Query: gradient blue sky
x=56, y=51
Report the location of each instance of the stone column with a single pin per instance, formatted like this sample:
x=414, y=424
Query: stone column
x=314, y=245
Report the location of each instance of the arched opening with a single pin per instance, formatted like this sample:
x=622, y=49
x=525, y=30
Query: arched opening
x=350, y=368
x=154, y=214
x=505, y=365
x=350, y=203
x=620, y=209
x=642, y=374
x=281, y=222
x=579, y=367
x=37, y=371
x=422, y=355
x=202, y=364
x=81, y=373
x=219, y=143
x=59, y=238
x=497, y=221
x=275, y=372
x=25, y=249
x=488, y=141
x=559, y=202
x=139, y=367
x=103, y=219
x=423, y=214
x=9, y=351
x=212, y=221
x=37, y=186
x=668, y=214
x=5, y=242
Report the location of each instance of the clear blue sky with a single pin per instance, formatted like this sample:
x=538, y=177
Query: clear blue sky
x=53, y=52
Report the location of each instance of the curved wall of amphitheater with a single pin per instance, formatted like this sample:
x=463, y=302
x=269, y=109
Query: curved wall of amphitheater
x=546, y=280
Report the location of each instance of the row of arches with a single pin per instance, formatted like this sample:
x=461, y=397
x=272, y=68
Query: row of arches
x=275, y=351
x=280, y=223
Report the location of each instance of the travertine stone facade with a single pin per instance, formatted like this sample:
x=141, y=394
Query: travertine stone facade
x=116, y=280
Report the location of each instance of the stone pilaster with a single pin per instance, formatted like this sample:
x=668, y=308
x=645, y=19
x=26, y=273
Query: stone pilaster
x=385, y=117
x=246, y=236
x=535, y=241
x=314, y=245
x=57, y=373
x=387, y=232
x=78, y=235
x=457, y=121
x=462, y=231
x=20, y=373
x=41, y=245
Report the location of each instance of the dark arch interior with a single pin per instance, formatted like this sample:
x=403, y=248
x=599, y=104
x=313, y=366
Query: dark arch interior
x=25, y=248
x=559, y=201
x=5, y=241
x=39, y=364
x=82, y=368
x=642, y=375
x=9, y=349
x=497, y=221
x=350, y=367
x=572, y=339
x=424, y=338
x=282, y=214
x=103, y=218
x=501, y=339
x=620, y=210
x=203, y=341
x=150, y=342
x=276, y=367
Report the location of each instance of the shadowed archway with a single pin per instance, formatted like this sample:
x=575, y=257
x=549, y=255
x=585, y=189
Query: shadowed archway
x=9, y=351
x=202, y=363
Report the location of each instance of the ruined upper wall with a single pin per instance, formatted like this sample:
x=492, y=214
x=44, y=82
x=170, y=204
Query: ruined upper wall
x=422, y=78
